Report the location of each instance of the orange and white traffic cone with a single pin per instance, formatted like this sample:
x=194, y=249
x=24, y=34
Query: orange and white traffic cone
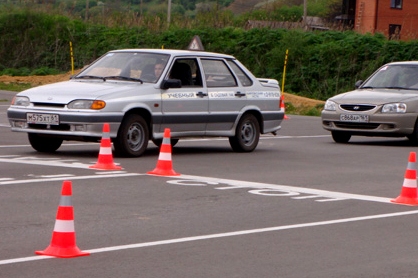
x=63, y=243
x=283, y=107
x=409, y=195
x=164, y=164
x=105, y=160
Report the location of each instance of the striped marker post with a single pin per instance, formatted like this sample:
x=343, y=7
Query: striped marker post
x=409, y=195
x=63, y=243
x=105, y=160
x=164, y=164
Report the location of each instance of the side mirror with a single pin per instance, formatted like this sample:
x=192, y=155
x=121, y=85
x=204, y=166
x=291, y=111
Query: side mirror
x=171, y=83
x=358, y=84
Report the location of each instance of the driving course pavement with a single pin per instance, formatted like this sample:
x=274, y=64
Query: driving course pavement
x=300, y=205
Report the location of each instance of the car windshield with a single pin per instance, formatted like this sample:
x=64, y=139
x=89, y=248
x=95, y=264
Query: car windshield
x=128, y=66
x=394, y=77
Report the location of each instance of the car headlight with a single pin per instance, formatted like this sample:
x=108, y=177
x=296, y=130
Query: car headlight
x=394, y=108
x=330, y=105
x=87, y=104
x=20, y=101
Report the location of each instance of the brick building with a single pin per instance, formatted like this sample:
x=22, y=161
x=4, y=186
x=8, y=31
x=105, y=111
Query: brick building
x=396, y=19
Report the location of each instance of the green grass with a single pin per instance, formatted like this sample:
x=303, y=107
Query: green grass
x=14, y=87
x=304, y=111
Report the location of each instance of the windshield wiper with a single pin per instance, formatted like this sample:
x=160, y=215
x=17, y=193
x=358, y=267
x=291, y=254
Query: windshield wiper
x=90, y=77
x=399, y=88
x=118, y=77
x=367, y=87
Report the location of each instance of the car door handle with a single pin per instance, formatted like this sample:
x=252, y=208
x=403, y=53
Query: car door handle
x=201, y=94
x=239, y=94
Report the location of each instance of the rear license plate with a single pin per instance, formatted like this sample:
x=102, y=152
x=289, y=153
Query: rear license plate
x=354, y=118
x=46, y=119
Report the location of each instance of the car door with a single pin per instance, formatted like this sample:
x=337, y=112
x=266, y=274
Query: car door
x=185, y=110
x=226, y=95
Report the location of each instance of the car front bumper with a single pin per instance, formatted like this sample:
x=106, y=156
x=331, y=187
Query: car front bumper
x=378, y=124
x=71, y=124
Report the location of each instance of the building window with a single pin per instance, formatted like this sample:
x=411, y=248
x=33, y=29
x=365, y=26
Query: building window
x=394, y=31
x=396, y=4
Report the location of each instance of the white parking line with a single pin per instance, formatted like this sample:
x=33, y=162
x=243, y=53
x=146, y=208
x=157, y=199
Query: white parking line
x=62, y=178
x=32, y=160
x=220, y=235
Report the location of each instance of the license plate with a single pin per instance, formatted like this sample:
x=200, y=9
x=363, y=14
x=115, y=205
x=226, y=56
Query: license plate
x=354, y=118
x=46, y=119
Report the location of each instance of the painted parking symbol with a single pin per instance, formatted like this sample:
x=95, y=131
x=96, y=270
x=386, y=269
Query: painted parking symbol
x=192, y=182
x=273, y=192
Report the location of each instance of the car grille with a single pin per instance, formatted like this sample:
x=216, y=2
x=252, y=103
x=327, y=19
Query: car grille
x=53, y=105
x=356, y=125
x=63, y=127
x=357, y=107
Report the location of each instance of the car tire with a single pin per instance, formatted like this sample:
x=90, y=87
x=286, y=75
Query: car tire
x=44, y=144
x=132, y=138
x=247, y=134
x=158, y=142
x=340, y=137
x=413, y=138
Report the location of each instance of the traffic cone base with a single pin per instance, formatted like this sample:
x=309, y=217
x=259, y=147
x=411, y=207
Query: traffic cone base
x=63, y=243
x=105, y=160
x=105, y=166
x=282, y=106
x=60, y=252
x=164, y=164
x=405, y=201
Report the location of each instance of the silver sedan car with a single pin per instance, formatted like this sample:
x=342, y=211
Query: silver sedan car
x=385, y=105
x=141, y=92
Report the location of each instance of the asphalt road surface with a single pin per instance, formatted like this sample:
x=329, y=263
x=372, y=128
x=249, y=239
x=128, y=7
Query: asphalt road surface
x=300, y=205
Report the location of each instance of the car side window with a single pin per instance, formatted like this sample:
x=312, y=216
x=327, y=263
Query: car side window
x=187, y=71
x=217, y=74
x=242, y=76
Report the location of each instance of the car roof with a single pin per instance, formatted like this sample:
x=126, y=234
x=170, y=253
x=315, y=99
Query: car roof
x=404, y=63
x=176, y=52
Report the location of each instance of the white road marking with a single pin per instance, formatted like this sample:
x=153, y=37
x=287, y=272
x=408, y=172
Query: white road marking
x=63, y=145
x=44, y=162
x=281, y=190
x=189, y=180
x=220, y=235
x=101, y=176
x=51, y=176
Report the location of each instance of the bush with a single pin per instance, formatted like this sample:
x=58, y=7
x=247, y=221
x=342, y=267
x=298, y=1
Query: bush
x=44, y=71
x=320, y=64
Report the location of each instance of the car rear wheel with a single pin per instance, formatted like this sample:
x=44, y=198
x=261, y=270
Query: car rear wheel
x=340, y=137
x=44, y=144
x=247, y=134
x=133, y=136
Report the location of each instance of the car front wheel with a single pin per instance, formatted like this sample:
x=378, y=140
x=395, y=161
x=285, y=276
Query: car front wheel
x=340, y=137
x=133, y=136
x=44, y=144
x=247, y=134
x=413, y=138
